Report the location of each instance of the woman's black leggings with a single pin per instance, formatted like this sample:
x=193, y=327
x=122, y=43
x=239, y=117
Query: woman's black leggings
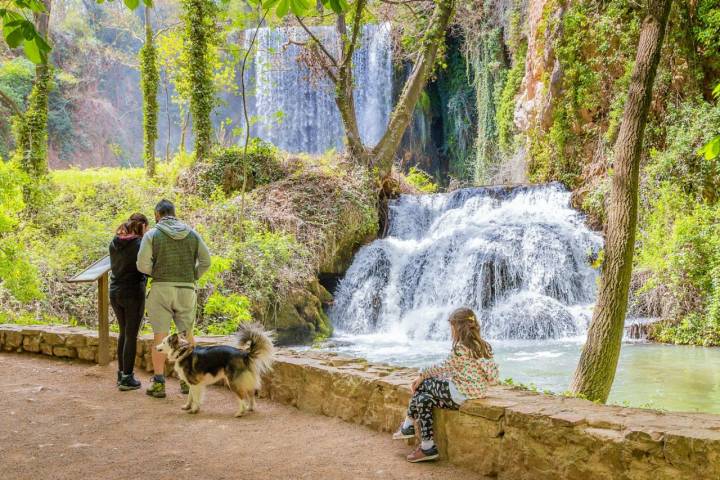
x=431, y=393
x=129, y=309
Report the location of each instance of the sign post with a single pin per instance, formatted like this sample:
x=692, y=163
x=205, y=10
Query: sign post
x=98, y=271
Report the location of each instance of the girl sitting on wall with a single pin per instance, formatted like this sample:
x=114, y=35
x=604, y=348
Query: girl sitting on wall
x=465, y=375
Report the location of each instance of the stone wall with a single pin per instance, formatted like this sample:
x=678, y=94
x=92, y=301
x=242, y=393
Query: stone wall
x=511, y=434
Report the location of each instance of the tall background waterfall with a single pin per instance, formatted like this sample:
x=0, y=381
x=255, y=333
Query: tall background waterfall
x=298, y=115
x=520, y=257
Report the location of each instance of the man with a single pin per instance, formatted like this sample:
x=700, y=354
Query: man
x=175, y=257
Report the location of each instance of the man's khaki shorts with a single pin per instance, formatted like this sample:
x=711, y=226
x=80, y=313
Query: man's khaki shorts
x=167, y=303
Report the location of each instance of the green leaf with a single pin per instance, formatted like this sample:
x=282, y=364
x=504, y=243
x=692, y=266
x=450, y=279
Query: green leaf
x=13, y=36
x=716, y=91
x=268, y=4
x=712, y=149
x=132, y=4
x=32, y=51
x=297, y=7
x=283, y=8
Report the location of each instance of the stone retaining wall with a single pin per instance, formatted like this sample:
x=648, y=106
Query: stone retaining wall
x=511, y=434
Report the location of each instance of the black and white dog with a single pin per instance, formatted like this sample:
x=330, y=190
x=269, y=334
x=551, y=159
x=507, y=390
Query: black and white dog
x=242, y=369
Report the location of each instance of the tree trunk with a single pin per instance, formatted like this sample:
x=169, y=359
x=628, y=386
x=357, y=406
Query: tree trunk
x=384, y=152
x=32, y=127
x=345, y=98
x=149, y=83
x=596, y=369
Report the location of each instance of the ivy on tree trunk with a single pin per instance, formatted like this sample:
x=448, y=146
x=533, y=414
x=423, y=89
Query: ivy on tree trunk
x=199, y=19
x=149, y=78
x=31, y=127
x=598, y=362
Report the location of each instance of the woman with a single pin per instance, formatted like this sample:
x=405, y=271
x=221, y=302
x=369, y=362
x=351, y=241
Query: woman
x=465, y=375
x=127, y=294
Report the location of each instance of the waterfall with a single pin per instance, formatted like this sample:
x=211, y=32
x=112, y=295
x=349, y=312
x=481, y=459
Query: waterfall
x=520, y=257
x=295, y=109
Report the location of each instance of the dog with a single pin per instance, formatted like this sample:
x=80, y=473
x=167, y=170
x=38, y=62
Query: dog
x=242, y=369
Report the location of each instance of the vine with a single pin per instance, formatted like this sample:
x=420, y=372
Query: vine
x=32, y=137
x=199, y=19
x=149, y=79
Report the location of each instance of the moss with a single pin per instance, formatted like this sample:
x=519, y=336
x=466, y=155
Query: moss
x=149, y=78
x=506, y=101
x=199, y=19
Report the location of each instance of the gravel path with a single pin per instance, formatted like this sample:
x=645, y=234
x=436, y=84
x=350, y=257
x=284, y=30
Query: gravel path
x=66, y=420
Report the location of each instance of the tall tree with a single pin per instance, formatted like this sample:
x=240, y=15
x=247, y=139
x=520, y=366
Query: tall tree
x=32, y=126
x=149, y=78
x=338, y=68
x=199, y=19
x=596, y=369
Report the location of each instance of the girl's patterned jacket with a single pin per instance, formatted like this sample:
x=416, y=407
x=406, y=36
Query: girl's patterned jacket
x=470, y=375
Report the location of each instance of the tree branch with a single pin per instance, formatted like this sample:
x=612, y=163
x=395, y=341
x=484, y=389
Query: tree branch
x=10, y=103
x=322, y=47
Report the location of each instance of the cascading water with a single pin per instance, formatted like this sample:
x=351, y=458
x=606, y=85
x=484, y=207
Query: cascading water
x=299, y=114
x=519, y=257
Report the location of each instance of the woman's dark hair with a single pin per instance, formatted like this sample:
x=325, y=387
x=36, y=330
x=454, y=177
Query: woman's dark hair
x=467, y=333
x=135, y=225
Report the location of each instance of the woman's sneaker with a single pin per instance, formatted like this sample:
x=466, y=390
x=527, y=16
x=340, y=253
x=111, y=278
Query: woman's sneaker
x=404, y=433
x=128, y=382
x=420, y=455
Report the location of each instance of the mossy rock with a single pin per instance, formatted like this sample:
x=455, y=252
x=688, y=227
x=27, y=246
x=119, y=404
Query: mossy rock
x=300, y=317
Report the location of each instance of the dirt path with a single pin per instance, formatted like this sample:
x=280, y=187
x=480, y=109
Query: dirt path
x=67, y=420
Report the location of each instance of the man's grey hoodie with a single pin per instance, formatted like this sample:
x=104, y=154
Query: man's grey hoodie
x=177, y=230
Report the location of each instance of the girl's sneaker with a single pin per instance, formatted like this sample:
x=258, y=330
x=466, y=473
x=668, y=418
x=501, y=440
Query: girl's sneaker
x=420, y=455
x=404, y=433
x=128, y=382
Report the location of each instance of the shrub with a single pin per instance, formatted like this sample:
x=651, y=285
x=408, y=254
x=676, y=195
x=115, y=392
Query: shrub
x=421, y=180
x=226, y=166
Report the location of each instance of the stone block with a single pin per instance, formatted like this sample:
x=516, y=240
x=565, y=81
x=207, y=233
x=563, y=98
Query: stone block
x=61, y=351
x=75, y=340
x=86, y=353
x=46, y=349
x=52, y=338
x=13, y=340
x=31, y=343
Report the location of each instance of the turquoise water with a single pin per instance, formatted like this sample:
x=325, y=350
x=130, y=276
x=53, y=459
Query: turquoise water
x=669, y=377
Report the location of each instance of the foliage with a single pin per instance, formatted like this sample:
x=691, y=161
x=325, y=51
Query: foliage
x=489, y=71
x=226, y=166
x=229, y=312
x=421, y=180
x=506, y=101
x=17, y=276
x=31, y=133
x=19, y=29
x=199, y=19
x=680, y=234
x=149, y=78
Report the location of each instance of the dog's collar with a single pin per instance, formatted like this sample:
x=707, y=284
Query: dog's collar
x=186, y=351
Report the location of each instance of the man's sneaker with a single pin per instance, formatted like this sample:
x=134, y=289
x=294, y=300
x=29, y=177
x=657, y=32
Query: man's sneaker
x=157, y=389
x=420, y=455
x=404, y=433
x=128, y=382
x=184, y=388
x=120, y=374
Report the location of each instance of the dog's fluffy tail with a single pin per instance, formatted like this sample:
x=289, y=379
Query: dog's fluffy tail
x=260, y=347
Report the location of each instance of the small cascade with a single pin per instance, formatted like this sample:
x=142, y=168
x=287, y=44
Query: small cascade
x=520, y=257
x=296, y=111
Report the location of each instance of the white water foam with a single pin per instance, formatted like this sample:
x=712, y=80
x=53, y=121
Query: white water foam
x=520, y=257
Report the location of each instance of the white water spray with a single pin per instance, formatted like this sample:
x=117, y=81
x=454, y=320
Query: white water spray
x=520, y=257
